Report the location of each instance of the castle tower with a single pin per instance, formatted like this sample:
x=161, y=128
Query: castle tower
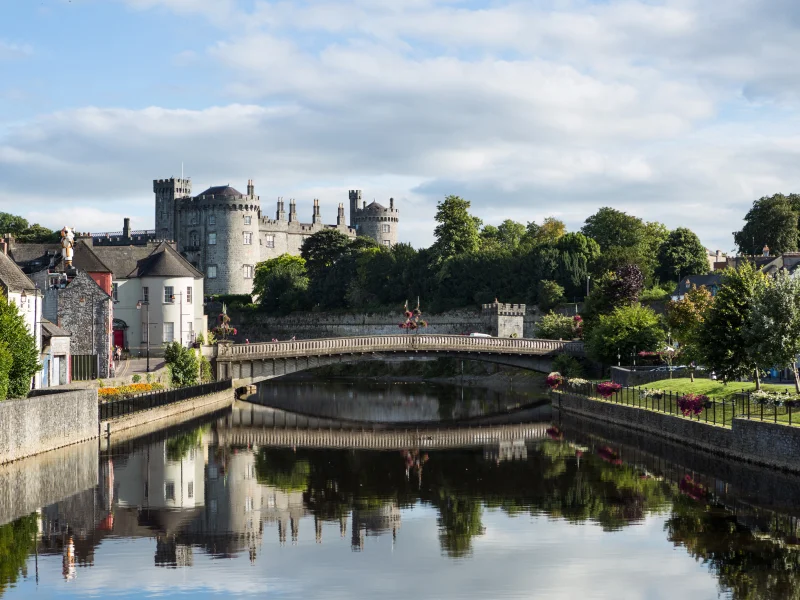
x=280, y=214
x=374, y=220
x=251, y=189
x=504, y=320
x=167, y=192
x=316, y=219
x=292, y=211
x=340, y=216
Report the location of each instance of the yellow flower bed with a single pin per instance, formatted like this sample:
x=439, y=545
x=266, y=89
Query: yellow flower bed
x=107, y=394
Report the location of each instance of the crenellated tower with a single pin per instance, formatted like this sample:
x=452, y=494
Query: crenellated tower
x=167, y=192
x=374, y=220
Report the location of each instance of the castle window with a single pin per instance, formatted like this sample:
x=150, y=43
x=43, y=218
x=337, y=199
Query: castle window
x=270, y=241
x=212, y=219
x=212, y=239
x=247, y=220
x=194, y=238
x=212, y=271
x=385, y=228
x=387, y=242
x=248, y=271
x=248, y=238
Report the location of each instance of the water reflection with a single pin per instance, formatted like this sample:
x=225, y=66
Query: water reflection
x=182, y=503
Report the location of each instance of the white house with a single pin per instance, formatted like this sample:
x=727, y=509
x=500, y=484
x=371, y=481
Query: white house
x=18, y=289
x=157, y=291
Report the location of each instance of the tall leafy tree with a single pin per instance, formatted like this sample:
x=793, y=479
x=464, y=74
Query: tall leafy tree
x=625, y=331
x=579, y=244
x=722, y=334
x=680, y=255
x=12, y=224
x=281, y=283
x=772, y=330
x=772, y=220
x=17, y=341
x=322, y=249
x=457, y=230
x=684, y=318
x=611, y=227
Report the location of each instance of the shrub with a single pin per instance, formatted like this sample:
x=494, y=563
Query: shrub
x=548, y=294
x=553, y=326
x=22, y=348
x=568, y=366
x=182, y=365
x=6, y=360
x=136, y=378
x=206, y=376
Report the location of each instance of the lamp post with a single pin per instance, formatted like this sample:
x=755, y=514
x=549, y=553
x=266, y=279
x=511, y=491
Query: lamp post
x=588, y=277
x=147, y=327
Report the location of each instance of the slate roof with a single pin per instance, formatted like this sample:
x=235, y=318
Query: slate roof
x=36, y=257
x=121, y=260
x=709, y=280
x=12, y=276
x=165, y=261
x=24, y=253
x=221, y=190
x=50, y=329
x=86, y=259
x=375, y=206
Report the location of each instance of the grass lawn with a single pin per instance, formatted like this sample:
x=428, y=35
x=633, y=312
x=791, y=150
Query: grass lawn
x=715, y=390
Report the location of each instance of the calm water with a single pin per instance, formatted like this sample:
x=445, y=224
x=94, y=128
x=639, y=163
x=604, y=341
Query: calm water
x=559, y=508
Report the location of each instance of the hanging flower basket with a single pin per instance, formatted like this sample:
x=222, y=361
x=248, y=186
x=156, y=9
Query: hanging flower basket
x=608, y=388
x=693, y=404
x=554, y=380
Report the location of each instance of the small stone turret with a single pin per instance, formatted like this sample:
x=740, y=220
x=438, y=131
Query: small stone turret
x=374, y=220
x=340, y=215
x=504, y=320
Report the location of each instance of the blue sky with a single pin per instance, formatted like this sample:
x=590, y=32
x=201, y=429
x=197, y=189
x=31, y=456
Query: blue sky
x=673, y=110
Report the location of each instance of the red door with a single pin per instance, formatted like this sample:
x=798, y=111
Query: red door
x=119, y=338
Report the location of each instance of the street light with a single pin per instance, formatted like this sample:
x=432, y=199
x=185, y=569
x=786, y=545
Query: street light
x=147, y=330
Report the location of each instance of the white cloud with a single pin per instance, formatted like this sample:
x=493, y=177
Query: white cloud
x=9, y=50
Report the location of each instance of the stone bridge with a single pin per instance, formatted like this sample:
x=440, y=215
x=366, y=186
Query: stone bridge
x=251, y=363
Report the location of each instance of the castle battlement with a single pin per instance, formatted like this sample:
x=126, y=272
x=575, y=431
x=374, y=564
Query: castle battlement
x=505, y=309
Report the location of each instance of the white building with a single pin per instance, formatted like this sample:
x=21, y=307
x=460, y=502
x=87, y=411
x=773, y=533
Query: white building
x=18, y=289
x=157, y=291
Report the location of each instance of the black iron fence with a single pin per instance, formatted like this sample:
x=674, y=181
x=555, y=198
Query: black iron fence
x=748, y=405
x=148, y=400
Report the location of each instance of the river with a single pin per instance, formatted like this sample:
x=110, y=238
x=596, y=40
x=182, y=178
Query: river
x=308, y=491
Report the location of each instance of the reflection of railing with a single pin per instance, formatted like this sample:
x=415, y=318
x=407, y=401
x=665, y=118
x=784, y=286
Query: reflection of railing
x=396, y=343
x=120, y=408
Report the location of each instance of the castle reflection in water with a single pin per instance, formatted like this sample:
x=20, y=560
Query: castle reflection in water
x=209, y=497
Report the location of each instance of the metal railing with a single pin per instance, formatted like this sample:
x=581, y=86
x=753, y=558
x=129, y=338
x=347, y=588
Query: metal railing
x=714, y=412
x=148, y=400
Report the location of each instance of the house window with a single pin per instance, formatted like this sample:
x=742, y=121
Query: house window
x=189, y=294
x=247, y=220
x=145, y=294
x=169, y=333
x=385, y=228
x=212, y=271
x=248, y=238
x=387, y=242
x=270, y=243
x=212, y=219
x=115, y=292
x=212, y=239
x=169, y=294
x=169, y=490
x=248, y=271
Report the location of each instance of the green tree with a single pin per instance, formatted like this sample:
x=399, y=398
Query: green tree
x=17, y=542
x=611, y=227
x=567, y=365
x=457, y=230
x=510, y=234
x=20, y=344
x=322, y=249
x=36, y=234
x=721, y=337
x=281, y=283
x=12, y=224
x=626, y=330
x=579, y=244
x=548, y=294
x=554, y=326
x=772, y=330
x=684, y=318
x=182, y=364
x=680, y=255
x=6, y=362
x=547, y=234
x=772, y=220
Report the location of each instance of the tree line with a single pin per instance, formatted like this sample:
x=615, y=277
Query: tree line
x=471, y=263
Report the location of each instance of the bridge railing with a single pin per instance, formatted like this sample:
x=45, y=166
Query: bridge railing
x=395, y=343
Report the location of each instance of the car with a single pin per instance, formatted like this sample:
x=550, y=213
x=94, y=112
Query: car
x=475, y=334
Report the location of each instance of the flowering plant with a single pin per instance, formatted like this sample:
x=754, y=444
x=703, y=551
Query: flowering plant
x=555, y=433
x=608, y=388
x=413, y=318
x=692, y=404
x=577, y=326
x=648, y=393
x=224, y=329
x=577, y=382
x=109, y=394
x=692, y=489
x=554, y=380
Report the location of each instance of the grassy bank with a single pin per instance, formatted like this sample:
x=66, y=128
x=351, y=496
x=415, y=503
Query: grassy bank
x=715, y=390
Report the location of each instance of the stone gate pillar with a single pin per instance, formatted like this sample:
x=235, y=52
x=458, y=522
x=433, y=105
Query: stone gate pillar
x=504, y=320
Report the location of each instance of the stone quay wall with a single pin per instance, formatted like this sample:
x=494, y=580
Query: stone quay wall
x=260, y=327
x=766, y=444
x=30, y=426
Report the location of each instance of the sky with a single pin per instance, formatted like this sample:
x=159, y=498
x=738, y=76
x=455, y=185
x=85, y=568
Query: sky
x=680, y=111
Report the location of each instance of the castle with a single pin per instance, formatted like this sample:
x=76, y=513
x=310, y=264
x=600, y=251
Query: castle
x=223, y=233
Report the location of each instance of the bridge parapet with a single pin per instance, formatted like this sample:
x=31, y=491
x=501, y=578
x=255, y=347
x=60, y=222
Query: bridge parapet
x=396, y=343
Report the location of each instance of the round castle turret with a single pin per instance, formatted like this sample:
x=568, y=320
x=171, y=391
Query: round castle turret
x=374, y=220
x=219, y=234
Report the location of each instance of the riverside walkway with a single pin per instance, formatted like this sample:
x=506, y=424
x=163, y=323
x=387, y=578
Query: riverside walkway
x=251, y=363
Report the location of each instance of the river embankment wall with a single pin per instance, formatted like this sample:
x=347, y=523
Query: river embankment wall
x=257, y=326
x=30, y=426
x=767, y=444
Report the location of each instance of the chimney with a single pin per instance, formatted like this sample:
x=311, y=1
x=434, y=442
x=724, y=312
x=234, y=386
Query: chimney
x=251, y=188
x=391, y=203
x=340, y=216
x=280, y=214
x=126, y=228
x=315, y=218
x=292, y=211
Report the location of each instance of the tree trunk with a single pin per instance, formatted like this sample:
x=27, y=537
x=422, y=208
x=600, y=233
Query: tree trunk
x=757, y=379
x=691, y=374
